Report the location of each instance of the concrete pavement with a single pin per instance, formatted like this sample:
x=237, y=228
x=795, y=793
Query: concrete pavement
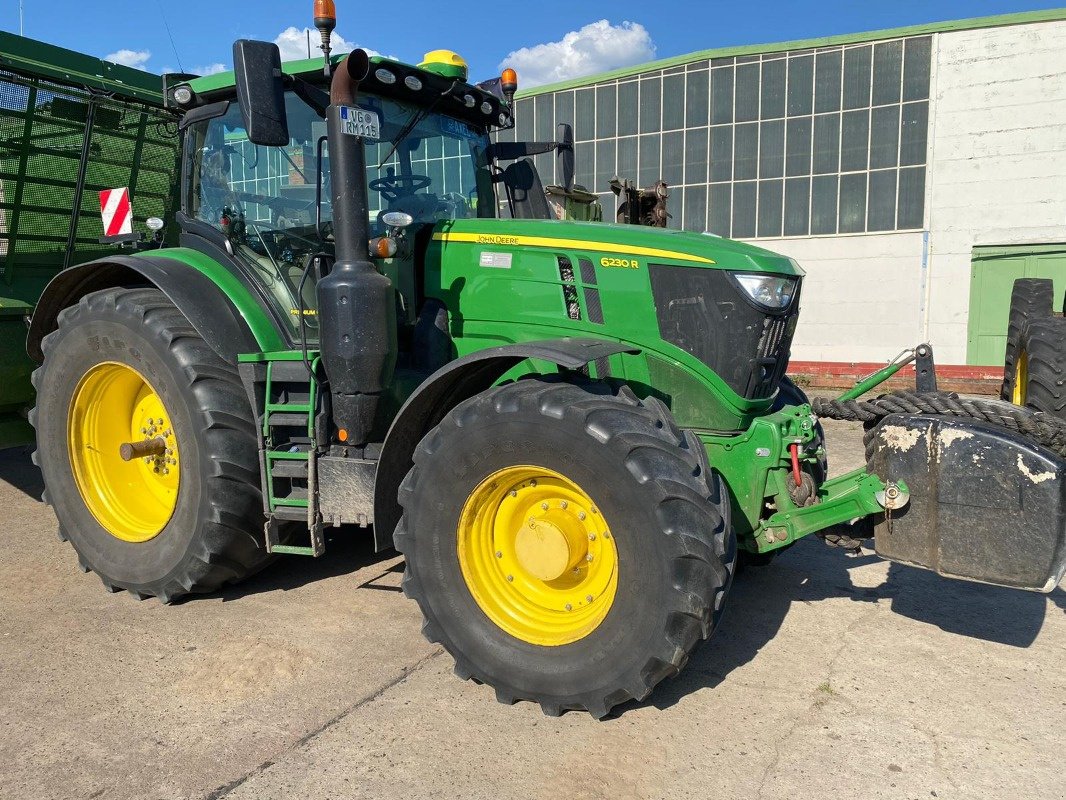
x=830, y=676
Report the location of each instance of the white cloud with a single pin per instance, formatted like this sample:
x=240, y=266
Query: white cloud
x=130, y=58
x=597, y=47
x=209, y=69
x=293, y=44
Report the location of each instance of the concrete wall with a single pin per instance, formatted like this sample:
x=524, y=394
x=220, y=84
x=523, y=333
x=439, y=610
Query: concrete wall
x=997, y=158
x=861, y=298
x=996, y=175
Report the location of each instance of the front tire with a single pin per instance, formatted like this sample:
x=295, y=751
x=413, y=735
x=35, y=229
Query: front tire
x=126, y=361
x=556, y=458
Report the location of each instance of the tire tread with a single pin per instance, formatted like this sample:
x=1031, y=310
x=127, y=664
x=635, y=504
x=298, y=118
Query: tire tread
x=695, y=526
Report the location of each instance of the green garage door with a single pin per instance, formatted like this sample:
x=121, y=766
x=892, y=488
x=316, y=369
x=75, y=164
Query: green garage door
x=992, y=276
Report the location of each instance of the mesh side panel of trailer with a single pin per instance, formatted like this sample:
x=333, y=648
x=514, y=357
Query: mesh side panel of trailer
x=53, y=138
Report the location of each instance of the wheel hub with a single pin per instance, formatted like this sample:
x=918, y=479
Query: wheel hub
x=114, y=413
x=543, y=550
x=537, y=555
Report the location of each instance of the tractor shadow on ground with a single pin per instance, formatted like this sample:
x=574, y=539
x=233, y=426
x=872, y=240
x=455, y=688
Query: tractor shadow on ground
x=348, y=550
x=761, y=598
x=19, y=471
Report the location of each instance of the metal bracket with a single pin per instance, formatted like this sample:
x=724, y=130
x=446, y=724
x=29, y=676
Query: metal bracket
x=892, y=496
x=924, y=369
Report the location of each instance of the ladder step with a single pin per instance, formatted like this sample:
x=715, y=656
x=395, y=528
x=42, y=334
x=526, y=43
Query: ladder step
x=291, y=514
x=293, y=550
x=289, y=371
x=301, y=407
x=294, y=502
x=277, y=419
x=288, y=468
x=286, y=455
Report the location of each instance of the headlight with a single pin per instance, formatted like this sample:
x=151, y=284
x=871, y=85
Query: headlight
x=772, y=292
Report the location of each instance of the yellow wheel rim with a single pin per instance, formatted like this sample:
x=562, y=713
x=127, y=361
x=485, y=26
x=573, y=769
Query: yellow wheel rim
x=113, y=405
x=1021, y=379
x=537, y=555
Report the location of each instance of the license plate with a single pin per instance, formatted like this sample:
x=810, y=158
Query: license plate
x=359, y=122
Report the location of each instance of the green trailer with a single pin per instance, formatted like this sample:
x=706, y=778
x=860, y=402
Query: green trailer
x=70, y=126
x=571, y=430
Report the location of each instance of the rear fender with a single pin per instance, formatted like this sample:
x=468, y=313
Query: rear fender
x=224, y=312
x=444, y=390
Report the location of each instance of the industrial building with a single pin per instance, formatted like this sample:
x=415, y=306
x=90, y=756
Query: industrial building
x=913, y=173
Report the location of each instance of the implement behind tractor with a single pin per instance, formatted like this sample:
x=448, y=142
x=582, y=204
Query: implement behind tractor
x=71, y=126
x=569, y=429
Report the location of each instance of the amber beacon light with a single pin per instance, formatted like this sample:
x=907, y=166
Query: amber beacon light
x=509, y=84
x=326, y=22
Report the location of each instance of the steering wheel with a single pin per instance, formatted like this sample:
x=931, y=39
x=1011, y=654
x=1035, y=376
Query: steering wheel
x=392, y=187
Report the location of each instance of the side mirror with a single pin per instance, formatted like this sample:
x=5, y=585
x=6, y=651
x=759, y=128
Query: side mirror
x=564, y=155
x=261, y=92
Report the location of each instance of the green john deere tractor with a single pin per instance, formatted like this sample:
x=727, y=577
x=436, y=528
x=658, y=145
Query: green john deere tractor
x=570, y=429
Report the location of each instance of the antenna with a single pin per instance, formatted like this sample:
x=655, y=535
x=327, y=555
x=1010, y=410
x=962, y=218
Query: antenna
x=21, y=32
x=170, y=34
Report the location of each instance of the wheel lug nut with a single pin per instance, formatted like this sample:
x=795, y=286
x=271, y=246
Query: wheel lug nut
x=592, y=537
x=499, y=554
x=513, y=493
x=594, y=511
x=562, y=504
x=580, y=514
x=544, y=506
x=588, y=598
x=588, y=557
x=606, y=535
x=532, y=483
x=569, y=607
x=510, y=577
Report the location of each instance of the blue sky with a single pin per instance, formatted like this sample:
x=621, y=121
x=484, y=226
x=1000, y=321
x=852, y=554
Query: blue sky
x=554, y=39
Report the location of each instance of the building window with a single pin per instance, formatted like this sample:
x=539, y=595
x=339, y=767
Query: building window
x=807, y=142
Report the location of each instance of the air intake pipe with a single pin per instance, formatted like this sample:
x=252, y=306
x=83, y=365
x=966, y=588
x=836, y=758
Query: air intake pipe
x=357, y=326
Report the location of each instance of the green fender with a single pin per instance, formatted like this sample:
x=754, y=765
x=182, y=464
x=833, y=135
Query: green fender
x=222, y=307
x=446, y=388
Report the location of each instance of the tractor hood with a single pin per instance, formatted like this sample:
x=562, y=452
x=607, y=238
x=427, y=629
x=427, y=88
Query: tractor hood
x=618, y=245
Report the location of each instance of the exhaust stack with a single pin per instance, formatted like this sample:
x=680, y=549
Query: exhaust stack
x=355, y=301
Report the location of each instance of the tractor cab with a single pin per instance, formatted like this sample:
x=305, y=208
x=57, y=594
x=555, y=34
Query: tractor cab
x=269, y=207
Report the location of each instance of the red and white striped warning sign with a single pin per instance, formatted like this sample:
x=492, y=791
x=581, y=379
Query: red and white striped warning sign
x=116, y=211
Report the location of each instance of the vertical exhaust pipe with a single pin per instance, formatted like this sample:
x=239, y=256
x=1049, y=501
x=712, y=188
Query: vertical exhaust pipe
x=357, y=326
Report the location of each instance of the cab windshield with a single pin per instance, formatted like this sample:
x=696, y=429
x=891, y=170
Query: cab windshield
x=264, y=199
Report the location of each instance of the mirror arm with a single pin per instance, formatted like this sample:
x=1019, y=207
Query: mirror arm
x=315, y=98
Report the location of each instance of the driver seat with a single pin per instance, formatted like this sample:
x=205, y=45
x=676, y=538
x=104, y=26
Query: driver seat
x=526, y=191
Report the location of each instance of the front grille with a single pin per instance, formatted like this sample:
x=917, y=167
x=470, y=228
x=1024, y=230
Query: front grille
x=704, y=313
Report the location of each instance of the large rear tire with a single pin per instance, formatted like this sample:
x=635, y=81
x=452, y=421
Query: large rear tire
x=1030, y=299
x=126, y=364
x=567, y=544
x=1040, y=372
